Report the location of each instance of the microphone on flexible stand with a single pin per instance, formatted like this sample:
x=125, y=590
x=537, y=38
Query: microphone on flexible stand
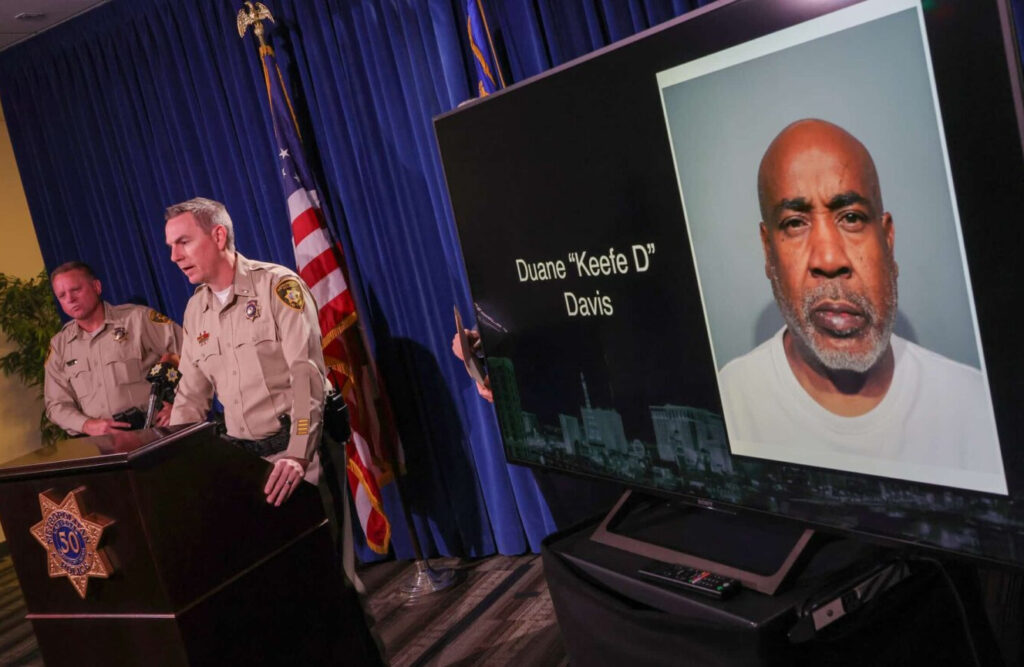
x=164, y=378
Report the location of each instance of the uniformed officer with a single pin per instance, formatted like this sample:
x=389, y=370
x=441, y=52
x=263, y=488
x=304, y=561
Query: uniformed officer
x=252, y=337
x=97, y=363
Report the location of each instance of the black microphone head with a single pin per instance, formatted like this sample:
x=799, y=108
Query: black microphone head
x=164, y=377
x=172, y=376
x=158, y=373
x=164, y=373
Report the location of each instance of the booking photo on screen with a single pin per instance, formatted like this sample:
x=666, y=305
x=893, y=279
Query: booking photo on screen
x=827, y=243
x=760, y=258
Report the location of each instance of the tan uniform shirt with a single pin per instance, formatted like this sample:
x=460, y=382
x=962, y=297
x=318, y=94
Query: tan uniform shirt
x=96, y=375
x=259, y=353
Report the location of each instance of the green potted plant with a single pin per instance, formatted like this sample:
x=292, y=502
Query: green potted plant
x=28, y=318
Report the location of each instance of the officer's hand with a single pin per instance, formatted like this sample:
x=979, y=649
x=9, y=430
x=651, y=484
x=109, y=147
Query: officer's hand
x=103, y=426
x=163, y=418
x=457, y=346
x=474, y=340
x=485, y=389
x=475, y=343
x=285, y=476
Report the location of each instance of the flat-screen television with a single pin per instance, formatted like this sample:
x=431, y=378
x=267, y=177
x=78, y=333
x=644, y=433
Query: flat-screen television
x=765, y=256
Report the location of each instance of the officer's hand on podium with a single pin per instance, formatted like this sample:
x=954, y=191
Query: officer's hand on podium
x=285, y=476
x=103, y=426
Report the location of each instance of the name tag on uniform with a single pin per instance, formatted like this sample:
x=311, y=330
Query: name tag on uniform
x=71, y=363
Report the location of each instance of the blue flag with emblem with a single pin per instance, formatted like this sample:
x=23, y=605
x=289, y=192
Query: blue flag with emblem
x=488, y=74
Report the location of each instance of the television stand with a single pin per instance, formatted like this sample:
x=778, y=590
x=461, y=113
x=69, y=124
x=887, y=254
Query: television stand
x=759, y=551
x=609, y=614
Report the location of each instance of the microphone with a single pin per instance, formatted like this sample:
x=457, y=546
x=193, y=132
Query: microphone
x=164, y=378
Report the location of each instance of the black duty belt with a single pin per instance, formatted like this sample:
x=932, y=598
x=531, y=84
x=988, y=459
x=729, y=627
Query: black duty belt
x=272, y=444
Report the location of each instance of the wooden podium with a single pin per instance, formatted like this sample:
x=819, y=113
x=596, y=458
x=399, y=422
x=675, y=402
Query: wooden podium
x=204, y=571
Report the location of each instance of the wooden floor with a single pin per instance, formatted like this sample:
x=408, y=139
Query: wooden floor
x=499, y=613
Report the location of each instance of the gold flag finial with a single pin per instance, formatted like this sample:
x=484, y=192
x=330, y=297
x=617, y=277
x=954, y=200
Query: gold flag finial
x=253, y=14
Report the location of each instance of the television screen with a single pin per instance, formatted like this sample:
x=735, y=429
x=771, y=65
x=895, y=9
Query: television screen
x=762, y=256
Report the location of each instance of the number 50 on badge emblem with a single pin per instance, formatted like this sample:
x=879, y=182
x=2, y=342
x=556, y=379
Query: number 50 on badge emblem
x=71, y=539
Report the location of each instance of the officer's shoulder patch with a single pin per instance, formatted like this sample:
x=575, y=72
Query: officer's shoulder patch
x=290, y=293
x=159, y=318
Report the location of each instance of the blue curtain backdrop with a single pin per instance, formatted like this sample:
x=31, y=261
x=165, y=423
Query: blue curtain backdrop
x=137, y=105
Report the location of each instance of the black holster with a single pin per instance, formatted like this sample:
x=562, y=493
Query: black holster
x=336, y=418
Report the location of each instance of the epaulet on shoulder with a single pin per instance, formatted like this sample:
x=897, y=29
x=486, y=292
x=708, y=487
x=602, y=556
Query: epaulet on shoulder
x=277, y=270
x=66, y=325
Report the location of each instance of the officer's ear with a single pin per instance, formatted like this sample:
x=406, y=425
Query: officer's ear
x=98, y=286
x=220, y=236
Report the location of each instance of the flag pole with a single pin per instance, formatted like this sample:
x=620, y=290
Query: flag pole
x=339, y=337
x=490, y=43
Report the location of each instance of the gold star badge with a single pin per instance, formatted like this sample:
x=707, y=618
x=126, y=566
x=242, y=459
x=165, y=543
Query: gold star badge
x=71, y=539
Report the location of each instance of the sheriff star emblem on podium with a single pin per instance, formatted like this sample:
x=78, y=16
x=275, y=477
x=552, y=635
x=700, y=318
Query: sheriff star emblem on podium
x=71, y=539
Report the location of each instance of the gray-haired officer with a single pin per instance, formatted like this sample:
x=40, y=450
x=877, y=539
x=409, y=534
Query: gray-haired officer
x=97, y=364
x=252, y=337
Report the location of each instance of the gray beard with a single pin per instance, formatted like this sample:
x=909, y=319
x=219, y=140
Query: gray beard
x=878, y=332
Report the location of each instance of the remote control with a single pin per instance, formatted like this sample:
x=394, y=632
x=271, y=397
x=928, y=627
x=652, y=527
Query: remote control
x=691, y=579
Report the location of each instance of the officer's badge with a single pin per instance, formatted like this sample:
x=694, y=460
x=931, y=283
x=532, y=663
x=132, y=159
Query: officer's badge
x=119, y=334
x=252, y=310
x=203, y=337
x=173, y=375
x=159, y=318
x=71, y=539
x=290, y=293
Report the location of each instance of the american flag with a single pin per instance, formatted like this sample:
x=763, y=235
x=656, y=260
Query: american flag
x=321, y=264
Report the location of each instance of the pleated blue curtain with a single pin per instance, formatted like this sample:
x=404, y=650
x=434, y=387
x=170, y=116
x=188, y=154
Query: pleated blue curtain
x=541, y=35
x=1017, y=8
x=125, y=110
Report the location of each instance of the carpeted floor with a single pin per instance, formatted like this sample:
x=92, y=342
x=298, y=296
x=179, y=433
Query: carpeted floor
x=499, y=613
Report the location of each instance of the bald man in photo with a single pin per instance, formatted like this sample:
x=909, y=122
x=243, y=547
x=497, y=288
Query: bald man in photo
x=835, y=381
